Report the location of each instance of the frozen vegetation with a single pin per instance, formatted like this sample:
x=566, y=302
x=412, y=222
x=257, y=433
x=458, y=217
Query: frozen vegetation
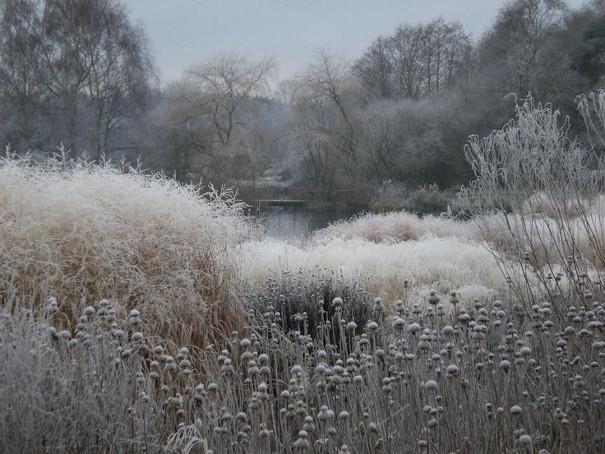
x=143, y=311
x=410, y=268
x=80, y=233
x=420, y=378
x=142, y=315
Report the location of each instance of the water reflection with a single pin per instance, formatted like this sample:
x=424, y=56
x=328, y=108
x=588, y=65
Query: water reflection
x=299, y=223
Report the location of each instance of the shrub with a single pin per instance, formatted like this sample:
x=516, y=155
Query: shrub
x=428, y=200
x=553, y=185
x=388, y=196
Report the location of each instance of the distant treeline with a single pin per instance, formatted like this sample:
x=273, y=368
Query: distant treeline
x=79, y=73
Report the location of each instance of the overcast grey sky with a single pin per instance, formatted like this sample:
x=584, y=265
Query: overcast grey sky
x=183, y=32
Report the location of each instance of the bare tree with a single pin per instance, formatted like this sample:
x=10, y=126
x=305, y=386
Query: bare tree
x=375, y=68
x=208, y=112
x=328, y=88
x=225, y=84
x=87, y=58
x=446, y=50
x=21, y=70
x=516, y=55
x=407, y=49
x=416, y=61
x=118, y=81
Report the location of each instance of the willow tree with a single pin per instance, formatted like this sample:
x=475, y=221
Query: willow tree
x=81, y=63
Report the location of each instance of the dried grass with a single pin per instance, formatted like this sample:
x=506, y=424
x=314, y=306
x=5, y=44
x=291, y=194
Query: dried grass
x=397, y=226
x=81, y=232
x=406, y=270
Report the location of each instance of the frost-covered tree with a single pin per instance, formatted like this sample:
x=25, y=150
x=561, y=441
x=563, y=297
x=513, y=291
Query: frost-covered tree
x=518, y=55
x=208, y=115
x=80, y=64
x=416, y=61
x=326, y=129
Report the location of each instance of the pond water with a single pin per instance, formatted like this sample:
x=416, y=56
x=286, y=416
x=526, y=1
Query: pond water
x=299, y=223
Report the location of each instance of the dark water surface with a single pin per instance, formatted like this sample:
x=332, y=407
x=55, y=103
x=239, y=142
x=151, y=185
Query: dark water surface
x=299, y=223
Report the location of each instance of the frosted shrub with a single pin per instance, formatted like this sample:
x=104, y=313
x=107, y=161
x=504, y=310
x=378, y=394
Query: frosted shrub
x=428, y=199
x=87, y=390
x=545, y=190
x=74, y=231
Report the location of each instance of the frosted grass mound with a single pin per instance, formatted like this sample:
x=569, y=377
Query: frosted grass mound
x=82, y=232
x=394, y=270
x=397, y=226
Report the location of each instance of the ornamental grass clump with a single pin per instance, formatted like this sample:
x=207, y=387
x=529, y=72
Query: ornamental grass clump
x=78, y=231
x=397, y=226
x=405, y=269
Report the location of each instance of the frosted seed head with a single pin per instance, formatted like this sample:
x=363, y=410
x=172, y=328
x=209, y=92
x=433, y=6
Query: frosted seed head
x=525, y=440
x=433, y=298
x=413, y=328
x=398, y=323
x=464, y=317
x=525, y=351
x=245, y=343
x=302, y=443
x=344, y=415
x=134, y=313
x=263, y=359
x=452, y=369
x=378, y=306
x=454, y=298
x=447, y=330
x=431, y=385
